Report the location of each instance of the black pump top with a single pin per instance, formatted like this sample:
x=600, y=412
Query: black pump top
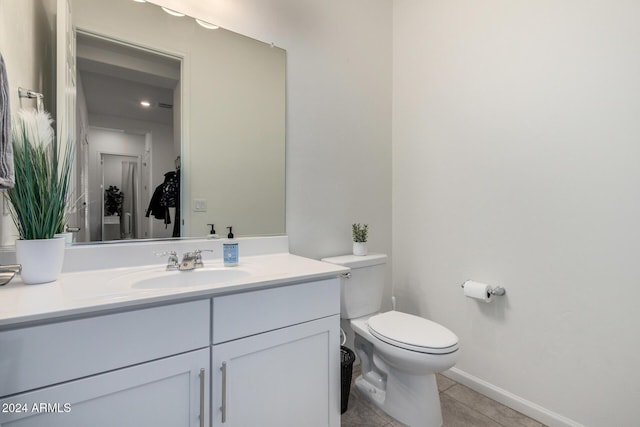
x=213, y=230
x=230, y=235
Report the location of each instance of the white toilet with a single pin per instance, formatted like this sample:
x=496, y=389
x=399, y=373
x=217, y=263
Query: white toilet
x=399, y=353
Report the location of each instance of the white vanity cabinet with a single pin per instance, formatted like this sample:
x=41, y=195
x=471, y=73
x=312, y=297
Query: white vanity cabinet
x=275, y=357
x=142, y=367
x=263, y=355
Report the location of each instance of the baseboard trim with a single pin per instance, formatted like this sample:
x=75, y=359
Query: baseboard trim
x=528, y=408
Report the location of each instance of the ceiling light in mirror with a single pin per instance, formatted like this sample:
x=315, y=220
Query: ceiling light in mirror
x=172, y=12
x=207, y=25
x=145, y=104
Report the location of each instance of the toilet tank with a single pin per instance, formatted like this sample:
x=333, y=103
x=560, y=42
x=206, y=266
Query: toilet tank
x=361, y=294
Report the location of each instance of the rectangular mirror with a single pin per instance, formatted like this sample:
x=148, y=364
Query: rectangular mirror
x=152, y=98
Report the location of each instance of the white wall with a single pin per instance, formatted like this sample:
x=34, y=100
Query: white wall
x=27, y=48
x=516, y=162
x=338, y=168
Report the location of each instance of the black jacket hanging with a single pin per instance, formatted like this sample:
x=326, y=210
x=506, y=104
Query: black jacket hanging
x=176, y=197
x=165, y=195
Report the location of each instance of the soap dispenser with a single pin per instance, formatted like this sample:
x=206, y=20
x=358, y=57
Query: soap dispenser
x=212, y=233
x=230, y=250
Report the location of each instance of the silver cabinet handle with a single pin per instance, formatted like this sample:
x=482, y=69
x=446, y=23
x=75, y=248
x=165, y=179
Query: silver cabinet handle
x=202, y=381
x=223, y=408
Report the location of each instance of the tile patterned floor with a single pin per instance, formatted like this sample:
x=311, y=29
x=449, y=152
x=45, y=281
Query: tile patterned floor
x=461, y=407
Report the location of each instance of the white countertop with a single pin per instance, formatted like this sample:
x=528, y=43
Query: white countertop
x=95, y=291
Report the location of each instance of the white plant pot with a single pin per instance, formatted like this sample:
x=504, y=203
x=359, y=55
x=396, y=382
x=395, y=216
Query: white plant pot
x=67, y=236
x=360, y=248
x=41, y=259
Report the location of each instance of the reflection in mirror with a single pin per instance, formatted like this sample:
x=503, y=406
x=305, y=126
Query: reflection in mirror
x=125, y=126
x=216, y=101
x=27, y=45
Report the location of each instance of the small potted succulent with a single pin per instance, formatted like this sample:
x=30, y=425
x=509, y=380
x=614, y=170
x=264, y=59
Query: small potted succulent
x=360, y=234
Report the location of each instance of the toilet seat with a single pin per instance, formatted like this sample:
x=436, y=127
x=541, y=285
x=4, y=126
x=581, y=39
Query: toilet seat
x=412, y=333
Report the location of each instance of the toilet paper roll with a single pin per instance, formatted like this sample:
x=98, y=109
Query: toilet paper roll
x=477, y=290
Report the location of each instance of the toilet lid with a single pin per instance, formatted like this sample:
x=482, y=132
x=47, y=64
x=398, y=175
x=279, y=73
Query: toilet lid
x=413, y=333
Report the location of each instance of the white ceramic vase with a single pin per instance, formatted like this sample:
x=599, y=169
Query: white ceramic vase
x=41, y=259
x=67, y=236
x=360, y=248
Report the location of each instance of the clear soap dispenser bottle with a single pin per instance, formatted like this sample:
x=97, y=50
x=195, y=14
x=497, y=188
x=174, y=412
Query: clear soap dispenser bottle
x=212, y=233
x=230, y=250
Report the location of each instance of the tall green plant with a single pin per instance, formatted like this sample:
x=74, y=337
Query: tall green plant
x=42, y=173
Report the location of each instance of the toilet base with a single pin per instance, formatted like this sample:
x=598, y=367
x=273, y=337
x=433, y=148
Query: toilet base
x=410, y=399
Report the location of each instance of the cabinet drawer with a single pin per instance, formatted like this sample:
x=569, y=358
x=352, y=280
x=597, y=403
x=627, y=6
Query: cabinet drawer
x=37, y=356
x=241, y=315
x=163, y=393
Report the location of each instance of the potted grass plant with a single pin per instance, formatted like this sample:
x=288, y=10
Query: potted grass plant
x=360, y=233
x=113, y=199
x=40, y=195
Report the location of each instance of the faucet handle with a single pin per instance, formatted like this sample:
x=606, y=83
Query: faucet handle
x=198, y=254
x=199, y=251
x=163, y=253
x=172, y=255
x=172, y=262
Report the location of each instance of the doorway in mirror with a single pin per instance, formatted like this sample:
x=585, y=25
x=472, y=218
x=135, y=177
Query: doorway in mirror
x=126, y=123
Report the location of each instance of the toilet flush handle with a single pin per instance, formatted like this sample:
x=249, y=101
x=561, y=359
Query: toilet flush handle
x=346, y=275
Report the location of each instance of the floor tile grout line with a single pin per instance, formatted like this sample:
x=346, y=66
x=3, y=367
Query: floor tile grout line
x=475, y=410
x=455, y=383
x=445, y=389
x=488, y=416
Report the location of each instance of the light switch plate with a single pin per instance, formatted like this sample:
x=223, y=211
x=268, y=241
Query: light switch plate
x=199, y=205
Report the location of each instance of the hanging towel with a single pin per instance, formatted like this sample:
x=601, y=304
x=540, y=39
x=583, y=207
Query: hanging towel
x=7, y=178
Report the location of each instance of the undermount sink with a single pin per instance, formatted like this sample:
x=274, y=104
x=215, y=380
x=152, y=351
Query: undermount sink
x=179, y=279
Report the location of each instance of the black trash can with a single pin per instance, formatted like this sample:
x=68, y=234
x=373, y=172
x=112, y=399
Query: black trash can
x=347, y=357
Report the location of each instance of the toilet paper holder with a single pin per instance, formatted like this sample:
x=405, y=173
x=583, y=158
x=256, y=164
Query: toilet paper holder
x=498, y=290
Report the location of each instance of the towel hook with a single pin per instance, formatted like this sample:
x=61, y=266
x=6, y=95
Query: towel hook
x=31, y=94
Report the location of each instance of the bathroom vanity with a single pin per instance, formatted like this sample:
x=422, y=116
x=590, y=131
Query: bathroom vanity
x=106, y=347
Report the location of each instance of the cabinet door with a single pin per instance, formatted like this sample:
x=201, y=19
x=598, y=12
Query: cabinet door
x=169, y=392
x=286, y=377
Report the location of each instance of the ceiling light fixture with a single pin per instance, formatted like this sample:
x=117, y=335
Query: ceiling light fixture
x=145, y=104
x=172, y=12
x=206, y=24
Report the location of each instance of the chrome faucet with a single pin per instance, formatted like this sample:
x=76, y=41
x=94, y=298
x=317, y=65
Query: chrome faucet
x=7, y=272
x=190, y=260
x=193, y=260
x=172, y=262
